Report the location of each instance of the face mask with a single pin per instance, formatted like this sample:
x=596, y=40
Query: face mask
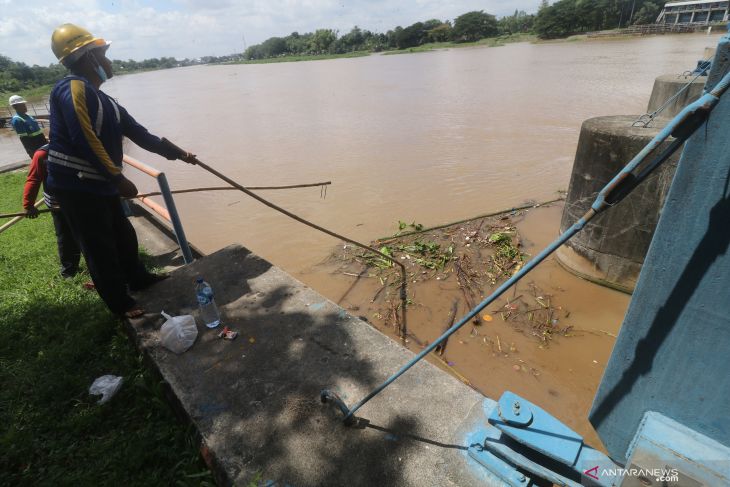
x=101, y=73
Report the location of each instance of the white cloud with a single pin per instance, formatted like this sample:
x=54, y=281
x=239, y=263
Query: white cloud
x=143, y=29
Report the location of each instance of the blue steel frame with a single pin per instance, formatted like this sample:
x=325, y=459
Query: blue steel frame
x=174, y=216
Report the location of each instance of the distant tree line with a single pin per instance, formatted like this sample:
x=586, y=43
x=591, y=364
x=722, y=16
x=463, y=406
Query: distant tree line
x=17, y=76
x=470, y=27
x=567, y=17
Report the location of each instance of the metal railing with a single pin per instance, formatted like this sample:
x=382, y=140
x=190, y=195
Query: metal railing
x=170, y=212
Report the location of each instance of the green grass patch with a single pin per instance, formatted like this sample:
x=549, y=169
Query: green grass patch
x=312, y=57
x=55, y=339
x=34, y=95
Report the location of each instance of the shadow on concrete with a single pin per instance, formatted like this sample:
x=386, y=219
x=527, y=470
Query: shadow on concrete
x=255, y=400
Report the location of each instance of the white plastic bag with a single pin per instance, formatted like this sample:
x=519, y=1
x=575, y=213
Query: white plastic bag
x=107, y=386
x=178, y=333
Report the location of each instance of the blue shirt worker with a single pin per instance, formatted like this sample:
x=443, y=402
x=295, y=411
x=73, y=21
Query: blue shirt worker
x=85, y=167
x=30, y=133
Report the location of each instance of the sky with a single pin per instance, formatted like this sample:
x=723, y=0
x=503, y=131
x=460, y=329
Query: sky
x=142, y=29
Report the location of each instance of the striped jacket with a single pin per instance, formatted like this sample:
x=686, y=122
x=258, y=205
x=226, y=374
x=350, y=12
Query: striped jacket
x=25, y=125
x=87, y=129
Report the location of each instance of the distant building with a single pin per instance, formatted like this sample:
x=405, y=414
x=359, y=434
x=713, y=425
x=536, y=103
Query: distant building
x=693, y=13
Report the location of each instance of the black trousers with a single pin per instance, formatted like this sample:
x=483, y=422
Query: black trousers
x=69, y=252
x=32, y=144
x=108, y=242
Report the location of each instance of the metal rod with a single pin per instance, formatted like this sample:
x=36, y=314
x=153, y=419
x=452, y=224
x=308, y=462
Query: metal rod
x=157, y=208
x=224, y=188
x=23, y=213
x=18, y=218
x=175, y=218
x=148, y=170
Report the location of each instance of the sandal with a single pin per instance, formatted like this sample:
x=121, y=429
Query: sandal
x=89, y=285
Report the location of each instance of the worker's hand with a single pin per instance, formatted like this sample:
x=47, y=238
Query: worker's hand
x=31, y=212
x=188, y=157
x=171, y=151
x=126, y=188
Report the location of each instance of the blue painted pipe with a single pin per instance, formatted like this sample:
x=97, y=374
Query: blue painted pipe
x=175, y=218
x=681, y=127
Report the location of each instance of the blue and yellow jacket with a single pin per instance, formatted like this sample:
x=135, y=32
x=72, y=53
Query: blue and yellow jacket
x=87, y=129
x=25, y=125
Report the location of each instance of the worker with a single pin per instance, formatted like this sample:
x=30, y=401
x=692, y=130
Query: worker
x=69, y=253
x=30, y=133
x=85, y=167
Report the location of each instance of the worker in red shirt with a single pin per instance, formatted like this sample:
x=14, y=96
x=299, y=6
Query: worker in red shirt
x=69, y=252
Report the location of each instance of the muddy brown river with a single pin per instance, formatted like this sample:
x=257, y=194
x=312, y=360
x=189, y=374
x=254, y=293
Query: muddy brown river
x=430, y=138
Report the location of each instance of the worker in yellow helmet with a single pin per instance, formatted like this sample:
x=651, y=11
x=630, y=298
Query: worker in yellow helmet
x=85, y=167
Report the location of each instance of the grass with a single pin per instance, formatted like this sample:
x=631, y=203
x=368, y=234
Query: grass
x=489, y=42
x=55, y=339
x=303, y=57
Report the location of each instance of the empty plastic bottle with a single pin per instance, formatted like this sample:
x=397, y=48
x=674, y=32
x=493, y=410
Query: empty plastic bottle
x=208, y=310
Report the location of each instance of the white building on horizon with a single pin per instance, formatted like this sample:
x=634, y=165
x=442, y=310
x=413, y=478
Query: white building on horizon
x=697, y=12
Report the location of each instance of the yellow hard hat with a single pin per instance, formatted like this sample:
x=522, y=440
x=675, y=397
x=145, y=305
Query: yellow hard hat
x=69, y=42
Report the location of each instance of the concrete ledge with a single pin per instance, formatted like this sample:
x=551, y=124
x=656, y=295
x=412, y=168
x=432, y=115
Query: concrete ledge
x=255, y=400
x=12, y=166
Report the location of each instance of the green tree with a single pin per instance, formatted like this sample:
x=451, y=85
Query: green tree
x=412, y=36
x=473, y=26
x=322, y=39
x=647, y=14
x=517, y=23
x=440, y=33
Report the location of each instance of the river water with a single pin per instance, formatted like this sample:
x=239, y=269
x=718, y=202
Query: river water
x=430, y=138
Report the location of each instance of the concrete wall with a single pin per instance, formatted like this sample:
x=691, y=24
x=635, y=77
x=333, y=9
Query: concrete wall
x=611, y=249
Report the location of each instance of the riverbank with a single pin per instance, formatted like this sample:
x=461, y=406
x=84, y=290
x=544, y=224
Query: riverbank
x=35, y=94
x=303, y=57
x=488, y=42
x=55, y=339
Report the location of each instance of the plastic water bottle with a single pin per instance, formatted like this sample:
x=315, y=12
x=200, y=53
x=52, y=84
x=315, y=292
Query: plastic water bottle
x=208, y=310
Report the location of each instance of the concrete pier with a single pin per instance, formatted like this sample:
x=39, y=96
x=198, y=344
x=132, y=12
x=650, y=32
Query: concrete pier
x=611, y=249
x=255, y=400
x=665, y=87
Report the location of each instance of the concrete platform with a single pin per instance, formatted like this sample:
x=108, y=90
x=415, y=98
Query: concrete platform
x=255, y=400
x=12, y=166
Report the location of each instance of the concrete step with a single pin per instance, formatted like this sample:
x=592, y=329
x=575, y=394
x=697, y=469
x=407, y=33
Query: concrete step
x=255, y=400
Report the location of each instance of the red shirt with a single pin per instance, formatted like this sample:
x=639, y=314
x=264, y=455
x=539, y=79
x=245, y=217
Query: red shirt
x=36, y=176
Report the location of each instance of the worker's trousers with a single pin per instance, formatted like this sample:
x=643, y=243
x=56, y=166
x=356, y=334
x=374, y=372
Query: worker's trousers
x=108, y=242
x=69, y=252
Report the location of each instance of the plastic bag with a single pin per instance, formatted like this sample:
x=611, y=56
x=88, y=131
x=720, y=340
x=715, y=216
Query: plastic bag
x=178, y=333
x=107, y=386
